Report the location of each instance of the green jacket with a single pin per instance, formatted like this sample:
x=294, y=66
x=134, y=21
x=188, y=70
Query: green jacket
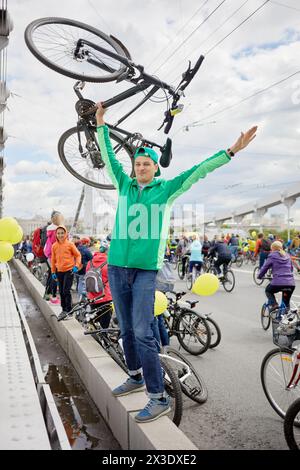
x=143, y=216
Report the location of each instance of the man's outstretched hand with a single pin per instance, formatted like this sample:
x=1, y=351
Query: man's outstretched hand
x=244, y=140
x=99, y=114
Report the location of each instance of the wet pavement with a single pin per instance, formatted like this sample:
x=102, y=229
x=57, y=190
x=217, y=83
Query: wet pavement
x=85, y=427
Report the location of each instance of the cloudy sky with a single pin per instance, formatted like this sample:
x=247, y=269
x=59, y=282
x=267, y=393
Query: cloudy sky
x=243, y=81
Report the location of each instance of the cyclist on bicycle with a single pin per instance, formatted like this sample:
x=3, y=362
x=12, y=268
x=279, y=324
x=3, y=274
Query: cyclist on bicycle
x=137, y=251
x=182, y=251
x=223, y=252
x=282, y=271
x=196, y=258
x=263, y=248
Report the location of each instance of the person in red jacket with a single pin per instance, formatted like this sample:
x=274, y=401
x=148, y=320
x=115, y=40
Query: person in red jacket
x=100, y=257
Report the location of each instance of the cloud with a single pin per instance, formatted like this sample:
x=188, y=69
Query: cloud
x=259, y=53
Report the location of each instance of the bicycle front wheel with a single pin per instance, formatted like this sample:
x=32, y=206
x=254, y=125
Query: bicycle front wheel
x=55, y=43
x=173, y=389
x=79, y=152
x=193, y=332
x=193, y=386
x=292, y=432
x=257, y=281
x=276, y=372
x=239, y=261
x=215, y=333
x=265, y=317
x=229, y=281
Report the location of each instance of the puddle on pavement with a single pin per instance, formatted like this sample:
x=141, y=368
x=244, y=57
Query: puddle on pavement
x=85, y=427
x=81, y=422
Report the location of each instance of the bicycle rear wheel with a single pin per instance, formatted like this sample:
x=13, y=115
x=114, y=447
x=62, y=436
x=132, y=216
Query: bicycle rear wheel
x=292, y=432
x=239, y=261
x=87, y=165
x=193, y=332
x=54, y=42
x=181, y=274
x=193, y=386
x=228, y=281
x=276, y=372
x=265, y=317
x=173, y=389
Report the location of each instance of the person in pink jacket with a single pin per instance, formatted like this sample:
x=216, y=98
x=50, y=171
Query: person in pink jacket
x=51, y=285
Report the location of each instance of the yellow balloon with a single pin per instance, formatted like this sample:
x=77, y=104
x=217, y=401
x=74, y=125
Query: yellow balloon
x=160, y=304
x=8, y=225
x=6, y=251
x=16, y=236
x=246, y=248
x=253, y=233
x=206, y=284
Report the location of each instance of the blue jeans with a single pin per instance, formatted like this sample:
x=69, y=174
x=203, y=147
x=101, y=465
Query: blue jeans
x=160, y=332
x=133, y=292
x=262, y=258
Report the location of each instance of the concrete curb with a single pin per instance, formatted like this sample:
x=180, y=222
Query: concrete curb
x=100, y=374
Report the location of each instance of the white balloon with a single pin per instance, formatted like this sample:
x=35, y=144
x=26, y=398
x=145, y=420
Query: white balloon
x=29, y=257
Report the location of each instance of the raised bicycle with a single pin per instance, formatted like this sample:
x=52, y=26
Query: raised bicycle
x=85, y=53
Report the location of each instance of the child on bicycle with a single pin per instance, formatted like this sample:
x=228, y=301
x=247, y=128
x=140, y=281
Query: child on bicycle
x=282, y=271
x=100, y=259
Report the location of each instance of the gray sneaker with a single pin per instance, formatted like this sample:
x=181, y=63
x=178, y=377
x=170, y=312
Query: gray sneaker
x=130, y=386
x=64, y=316
x=153, y=410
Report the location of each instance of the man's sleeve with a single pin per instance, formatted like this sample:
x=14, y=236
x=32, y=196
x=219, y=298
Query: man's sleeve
x=186, y=179
x=112, y=165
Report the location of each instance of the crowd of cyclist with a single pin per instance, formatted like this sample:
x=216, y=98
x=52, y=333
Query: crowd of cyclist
x=193, y=250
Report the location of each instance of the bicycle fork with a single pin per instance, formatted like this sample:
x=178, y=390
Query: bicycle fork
x=296, y=361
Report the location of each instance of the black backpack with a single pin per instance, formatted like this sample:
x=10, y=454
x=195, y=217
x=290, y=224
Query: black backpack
x=265, y=245
x=93, y=279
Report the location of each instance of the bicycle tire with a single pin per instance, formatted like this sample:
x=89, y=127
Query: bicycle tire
x=257, y=281
x=189, y=281
x=120, y=360
x=239, y=261
x=194, y=386
x=67, y=151
x=197, y=328
x=173, y=389
x=179, y=270
x=275, y=374
x=292, y=436
x=265, y=319
x=64, y=48
x=227, y=283
x=214, y=331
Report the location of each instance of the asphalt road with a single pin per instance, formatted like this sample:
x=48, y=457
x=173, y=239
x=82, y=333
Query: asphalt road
x=236, y=415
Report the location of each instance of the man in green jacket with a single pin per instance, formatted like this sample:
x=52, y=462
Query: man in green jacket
x=136, y=254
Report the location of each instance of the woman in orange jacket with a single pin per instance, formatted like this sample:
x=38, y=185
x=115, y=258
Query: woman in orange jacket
x=65, y=261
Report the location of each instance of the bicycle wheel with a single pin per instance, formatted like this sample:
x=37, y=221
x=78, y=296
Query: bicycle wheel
x=193, y=332
x=228, y=281
x=189, y=281
x=215, y=333
x=193, y=386
x=265, y=317
x=173, y=389
x=276, y=372
x=87, y=164
x=180, y=270
x=257, y=281
x=54, y=42
x=291, y=432
x=239, y=261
